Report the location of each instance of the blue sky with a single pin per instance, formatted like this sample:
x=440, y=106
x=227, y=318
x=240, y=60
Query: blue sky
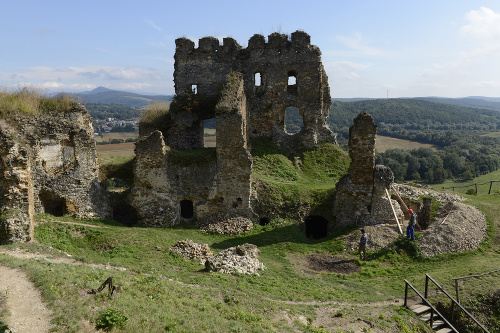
x=370, y=48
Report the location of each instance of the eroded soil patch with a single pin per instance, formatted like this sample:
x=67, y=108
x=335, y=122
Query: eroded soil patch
x=325, y=263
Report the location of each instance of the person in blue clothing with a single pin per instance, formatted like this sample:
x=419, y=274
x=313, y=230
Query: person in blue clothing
x=363, y=242
x=410, y=229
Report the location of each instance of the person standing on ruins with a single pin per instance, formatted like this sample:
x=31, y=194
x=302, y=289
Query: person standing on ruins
x=363, y=242
x=410, y=229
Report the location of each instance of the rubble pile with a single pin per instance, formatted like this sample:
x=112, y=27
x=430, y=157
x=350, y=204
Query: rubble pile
x=458, y=228
x=225, y=224
x=415, y=193
x=241, y=259
x=191, y=250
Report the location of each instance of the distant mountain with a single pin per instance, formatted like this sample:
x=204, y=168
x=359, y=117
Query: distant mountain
x=101, y=95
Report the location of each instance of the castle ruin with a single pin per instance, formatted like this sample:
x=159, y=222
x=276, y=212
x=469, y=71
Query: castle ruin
x=247, y=92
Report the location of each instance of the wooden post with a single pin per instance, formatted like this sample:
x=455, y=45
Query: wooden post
x=491, y=183
x=399, y=197
x=476, y=187
x=393, y=211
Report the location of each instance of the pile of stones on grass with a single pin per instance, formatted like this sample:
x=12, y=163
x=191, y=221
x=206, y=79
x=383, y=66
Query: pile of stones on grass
x=225, y=224
x=241, y=259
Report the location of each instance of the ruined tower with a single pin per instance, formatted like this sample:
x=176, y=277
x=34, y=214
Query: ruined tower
x=246, y=91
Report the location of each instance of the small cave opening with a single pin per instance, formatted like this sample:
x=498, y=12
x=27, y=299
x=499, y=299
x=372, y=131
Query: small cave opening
x=53, y=204
x=125, y=214
x=263, y=221
x=316, y=227
x=187, y=209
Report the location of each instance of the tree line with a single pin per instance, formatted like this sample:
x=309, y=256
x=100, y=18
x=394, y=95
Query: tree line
x=465, y=148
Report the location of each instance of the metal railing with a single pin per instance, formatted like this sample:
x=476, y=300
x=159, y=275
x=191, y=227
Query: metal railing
x=426, y=301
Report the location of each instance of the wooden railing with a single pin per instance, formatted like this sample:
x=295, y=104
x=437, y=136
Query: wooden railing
x=454, y=302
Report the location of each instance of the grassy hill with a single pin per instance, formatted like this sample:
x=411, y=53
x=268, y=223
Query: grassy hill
x=102, y=95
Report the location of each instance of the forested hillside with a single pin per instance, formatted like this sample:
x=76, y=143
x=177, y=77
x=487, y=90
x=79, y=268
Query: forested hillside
x=461, y=133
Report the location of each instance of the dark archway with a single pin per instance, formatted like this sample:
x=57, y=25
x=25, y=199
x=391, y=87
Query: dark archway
x=316, y=227
x=187, y=209
x=125, y=214
x=263, y=221
x=53, y=204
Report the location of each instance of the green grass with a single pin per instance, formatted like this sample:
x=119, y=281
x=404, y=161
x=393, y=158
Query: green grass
x=162, y=292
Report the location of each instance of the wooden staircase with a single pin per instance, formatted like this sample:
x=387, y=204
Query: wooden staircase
x=428, y=313
x=425, y=314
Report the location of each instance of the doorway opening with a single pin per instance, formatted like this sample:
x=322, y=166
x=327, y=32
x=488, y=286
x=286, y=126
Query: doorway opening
x=187, y=209
x=316, y=227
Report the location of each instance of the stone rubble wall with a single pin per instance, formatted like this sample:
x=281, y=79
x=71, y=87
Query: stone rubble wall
x=215, y=184
x=361, y=197
x=51, y=164
x=207, y=66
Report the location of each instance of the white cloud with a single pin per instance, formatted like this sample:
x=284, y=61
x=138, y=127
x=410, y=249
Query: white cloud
x=483, y=23
x=345, y=70
x=86, y=78
x=152, y=24
x=357, y=43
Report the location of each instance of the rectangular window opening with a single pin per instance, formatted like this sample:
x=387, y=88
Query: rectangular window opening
x=194, y=88
x=258, y=79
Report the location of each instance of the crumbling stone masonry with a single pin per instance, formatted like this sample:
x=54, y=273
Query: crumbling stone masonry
x=48, y=163
x=257, y=84
x=278, y=74
x=170, y=185
x=360, y=196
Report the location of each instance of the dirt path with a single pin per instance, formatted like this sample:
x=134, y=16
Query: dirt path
x=27, y=313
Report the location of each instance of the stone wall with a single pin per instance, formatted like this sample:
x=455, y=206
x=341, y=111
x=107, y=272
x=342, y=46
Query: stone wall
x=360, y=196
x=49, y=165
x=290, y=74
x=174, y=184
x=246, y=91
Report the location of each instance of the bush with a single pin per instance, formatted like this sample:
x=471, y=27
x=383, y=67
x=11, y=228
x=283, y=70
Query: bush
x=110, y=319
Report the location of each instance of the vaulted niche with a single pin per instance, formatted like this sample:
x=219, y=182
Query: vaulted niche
x=53, y=204
x=194, y=88
x=293, y=120
x=187, y=209
x=316, y=227
x=209, y=133
x=292, y=83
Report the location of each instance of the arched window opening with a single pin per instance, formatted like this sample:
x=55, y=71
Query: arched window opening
x=316, y=227
x=293, y=120
x=209, y=133
x=187, y=210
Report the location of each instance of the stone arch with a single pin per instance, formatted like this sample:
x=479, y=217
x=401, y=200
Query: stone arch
x=53, y=203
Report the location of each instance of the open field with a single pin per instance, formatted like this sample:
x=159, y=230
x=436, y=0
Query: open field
x=383, y=143
x=116, y=135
